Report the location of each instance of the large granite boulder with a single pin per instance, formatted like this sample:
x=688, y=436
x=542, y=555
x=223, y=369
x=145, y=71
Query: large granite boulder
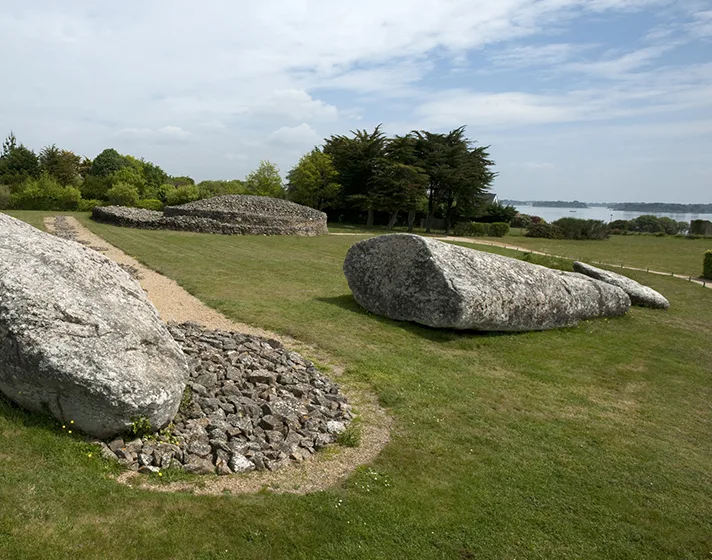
x=412, y=278
x=638, y=293
x=79, y=339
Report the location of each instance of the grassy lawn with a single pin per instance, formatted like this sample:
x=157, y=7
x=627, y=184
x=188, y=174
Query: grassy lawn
x=667, y=254
x=36, y=217
x=590, y=442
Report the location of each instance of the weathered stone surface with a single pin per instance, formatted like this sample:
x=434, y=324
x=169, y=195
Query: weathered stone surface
x=638, y=293
x=412, y=278
x=229, y=214
x=78, y=337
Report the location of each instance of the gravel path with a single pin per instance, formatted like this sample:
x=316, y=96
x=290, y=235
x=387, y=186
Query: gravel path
x=318, y=473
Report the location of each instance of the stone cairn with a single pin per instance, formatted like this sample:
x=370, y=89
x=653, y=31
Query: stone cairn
x=249, y=404
x=228, y=214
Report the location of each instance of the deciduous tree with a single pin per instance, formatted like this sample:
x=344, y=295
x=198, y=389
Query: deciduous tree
x=314, y=181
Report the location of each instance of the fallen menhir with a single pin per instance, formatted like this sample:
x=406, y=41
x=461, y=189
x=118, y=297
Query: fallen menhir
x=638, y=293
x=412, y=278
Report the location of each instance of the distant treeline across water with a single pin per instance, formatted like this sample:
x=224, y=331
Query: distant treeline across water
x=644, y=207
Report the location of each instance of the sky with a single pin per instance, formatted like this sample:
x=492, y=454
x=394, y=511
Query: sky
x=594, y=100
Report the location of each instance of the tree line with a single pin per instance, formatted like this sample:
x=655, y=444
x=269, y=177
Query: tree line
x=58, y=179
x=356, y=177
x=436, y=174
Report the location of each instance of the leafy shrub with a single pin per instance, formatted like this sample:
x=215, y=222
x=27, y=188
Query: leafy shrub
x=88, y=205
x=150, y=204
x=576, y=228
x=547, y=231
x=479, y=229
x=537, y=220
x=619, y=225
x=4, y=197
x=668, y=225
x=498, y=229
x=123, y=194
x=462, y=229
x=182, y=195
x=521, y=221
x=95, y=187
x=472, y=229
x=707, y=267
x=45, y=193
x=647, y=223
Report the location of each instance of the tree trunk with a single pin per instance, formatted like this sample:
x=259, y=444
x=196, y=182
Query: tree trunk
x=448, y=216
x=411, y=219
x=369, y=221
x=392, y=221
x=431, y=211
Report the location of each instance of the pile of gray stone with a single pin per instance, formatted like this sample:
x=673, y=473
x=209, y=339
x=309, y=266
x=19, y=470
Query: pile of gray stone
x=249, y=404
x=229, y=214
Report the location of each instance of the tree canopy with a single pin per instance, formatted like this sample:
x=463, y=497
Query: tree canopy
x=313, y=181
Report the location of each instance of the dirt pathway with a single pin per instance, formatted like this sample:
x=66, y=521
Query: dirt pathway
x=317, y=473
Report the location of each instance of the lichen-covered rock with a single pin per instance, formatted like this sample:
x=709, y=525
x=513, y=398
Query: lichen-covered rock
x=229, y=214
x=78, y=337
x=412, y=278
x=638, y=293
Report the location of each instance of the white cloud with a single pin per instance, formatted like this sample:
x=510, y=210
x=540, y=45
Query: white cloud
x=536, y=165
x=174, y=131
x=302, y=135
x=187, y=85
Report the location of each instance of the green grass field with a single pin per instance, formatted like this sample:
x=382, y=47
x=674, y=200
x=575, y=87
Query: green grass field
x=589, y=442
x=666, y=254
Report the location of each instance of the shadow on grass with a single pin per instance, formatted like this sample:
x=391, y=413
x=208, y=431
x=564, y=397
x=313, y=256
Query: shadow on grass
x=21, y=417
x=433, y=334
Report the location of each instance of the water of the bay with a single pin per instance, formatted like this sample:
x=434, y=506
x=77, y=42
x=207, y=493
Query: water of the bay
x=601, y=213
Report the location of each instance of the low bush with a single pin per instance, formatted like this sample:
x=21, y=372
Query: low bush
x=150, y=204
x=498, y=229
x=462, y=229
x=44, y=194
x=521, y=221
x=182, y=195
x=4, y=197
x=576, y=228
x=123, y=194
x=547, y=231
x=479, y=229
x=537, y=220
x=707, y=265
x=472, y=229
x=619, y=225
x=87, y=205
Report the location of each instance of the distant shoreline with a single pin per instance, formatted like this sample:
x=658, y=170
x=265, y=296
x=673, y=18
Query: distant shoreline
x=651, y=207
